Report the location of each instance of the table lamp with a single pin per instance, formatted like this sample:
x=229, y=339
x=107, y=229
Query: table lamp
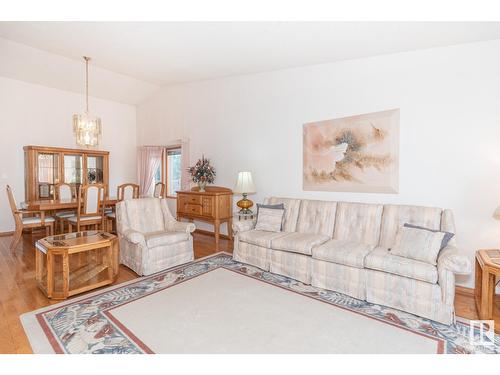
x=244, y=186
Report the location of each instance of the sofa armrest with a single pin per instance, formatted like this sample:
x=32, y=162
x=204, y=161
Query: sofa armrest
x=134, y=237
x=452, y=261
x=243, y=226
x=180, y=226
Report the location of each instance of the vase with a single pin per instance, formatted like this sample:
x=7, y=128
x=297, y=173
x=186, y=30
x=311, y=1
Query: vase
x=202, y=185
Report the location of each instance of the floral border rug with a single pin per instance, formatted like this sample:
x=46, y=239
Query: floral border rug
x=82, y=325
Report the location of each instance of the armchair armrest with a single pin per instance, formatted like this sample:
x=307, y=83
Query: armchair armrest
x=243, y=226
x=452, y=261
x=134, y=236
x=180, y=226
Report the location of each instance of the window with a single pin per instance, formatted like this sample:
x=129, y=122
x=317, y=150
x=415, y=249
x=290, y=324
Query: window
x=170, y=171
x=173, y=171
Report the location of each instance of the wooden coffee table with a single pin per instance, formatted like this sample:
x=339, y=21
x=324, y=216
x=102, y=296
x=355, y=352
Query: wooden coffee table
x=487, y=268
x=74, y=263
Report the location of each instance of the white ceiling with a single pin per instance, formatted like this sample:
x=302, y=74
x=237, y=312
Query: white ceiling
x=152, y=54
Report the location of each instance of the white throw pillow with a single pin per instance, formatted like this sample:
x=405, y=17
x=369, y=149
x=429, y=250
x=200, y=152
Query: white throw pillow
x=418, y=244
x=269, y=219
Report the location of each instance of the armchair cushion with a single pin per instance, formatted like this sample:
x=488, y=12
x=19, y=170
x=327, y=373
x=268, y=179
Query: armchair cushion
x=160, y=238
x=178, y=226
x=450, y=259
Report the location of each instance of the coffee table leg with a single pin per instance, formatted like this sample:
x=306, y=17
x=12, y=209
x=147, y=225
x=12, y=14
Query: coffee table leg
x=65, y=281
x=50, y=274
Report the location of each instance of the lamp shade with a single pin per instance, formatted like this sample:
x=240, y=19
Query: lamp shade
x=496, y=214
x=244, y=184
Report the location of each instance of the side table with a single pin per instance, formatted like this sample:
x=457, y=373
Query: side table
x=487, y=268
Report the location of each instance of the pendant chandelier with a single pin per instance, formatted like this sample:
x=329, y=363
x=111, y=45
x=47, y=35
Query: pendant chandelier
x=87, y=128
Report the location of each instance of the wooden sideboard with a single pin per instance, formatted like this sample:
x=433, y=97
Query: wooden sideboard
x=214, y=205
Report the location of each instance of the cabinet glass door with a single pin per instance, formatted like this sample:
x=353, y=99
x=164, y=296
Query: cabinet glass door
x=95, y=169
x=73, y=169
x=47, y=174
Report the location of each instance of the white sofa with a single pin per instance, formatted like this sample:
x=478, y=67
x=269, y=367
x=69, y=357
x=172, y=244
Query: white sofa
x=344, y=247
x=151, y=240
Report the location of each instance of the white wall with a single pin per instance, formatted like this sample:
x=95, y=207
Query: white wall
x=38, y=115
x=450, y=127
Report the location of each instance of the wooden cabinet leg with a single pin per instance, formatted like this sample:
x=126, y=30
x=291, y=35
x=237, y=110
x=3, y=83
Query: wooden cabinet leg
x=217, y=234
x=230, y=229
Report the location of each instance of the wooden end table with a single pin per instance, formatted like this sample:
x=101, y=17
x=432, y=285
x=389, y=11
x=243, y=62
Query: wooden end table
x=487, y=268
x=74, y=263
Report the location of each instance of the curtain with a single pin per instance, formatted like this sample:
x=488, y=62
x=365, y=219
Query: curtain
x=148, y=161
x=185, y=177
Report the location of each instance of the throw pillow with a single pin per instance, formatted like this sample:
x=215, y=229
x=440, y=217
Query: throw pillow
x=420, y=243
x=269, y=219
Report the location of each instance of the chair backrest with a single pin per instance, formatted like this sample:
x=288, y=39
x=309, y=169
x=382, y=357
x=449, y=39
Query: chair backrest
x=128, y=191
x=13, y=205
x=134, y=211
x=64, y=191
x=90, y=200
x=159, y=190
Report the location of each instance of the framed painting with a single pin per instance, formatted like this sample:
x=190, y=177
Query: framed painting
x=353, y=154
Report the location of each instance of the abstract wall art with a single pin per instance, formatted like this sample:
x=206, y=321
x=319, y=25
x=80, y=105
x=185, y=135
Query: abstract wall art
x=353, y=154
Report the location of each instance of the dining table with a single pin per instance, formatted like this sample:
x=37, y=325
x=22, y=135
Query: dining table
x=60, y=204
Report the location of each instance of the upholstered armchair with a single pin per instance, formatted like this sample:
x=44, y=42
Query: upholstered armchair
x=150, y=238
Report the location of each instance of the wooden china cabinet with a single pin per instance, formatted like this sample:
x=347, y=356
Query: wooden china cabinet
x=45, y=167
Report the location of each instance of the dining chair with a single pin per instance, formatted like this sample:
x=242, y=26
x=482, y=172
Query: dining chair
x=124, y=192
x=90, y=211
x=159, y=190
x=63, y=191
x=37, y=219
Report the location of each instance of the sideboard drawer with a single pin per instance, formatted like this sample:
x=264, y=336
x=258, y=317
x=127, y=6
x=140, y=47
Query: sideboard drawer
x=192, y=209
x=192, y=199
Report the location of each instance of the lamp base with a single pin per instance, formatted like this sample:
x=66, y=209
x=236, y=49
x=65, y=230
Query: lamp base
x=245, y=205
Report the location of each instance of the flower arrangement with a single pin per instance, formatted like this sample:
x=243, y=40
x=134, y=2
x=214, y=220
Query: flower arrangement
x=202, y=173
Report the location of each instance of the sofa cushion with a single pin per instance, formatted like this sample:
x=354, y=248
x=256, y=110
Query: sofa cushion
x=302, y=243
x=160, y=238
x=343, y=252
x=316, y=217
x=381, y=259
x=395, y=216
x=269, y=219
x=292, y=207
x=420, y=243
x=259, y=237
x=358, y=222
x=145, y=215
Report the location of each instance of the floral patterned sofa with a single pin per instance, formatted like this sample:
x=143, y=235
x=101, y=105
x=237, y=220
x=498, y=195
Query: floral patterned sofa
x=344, y=247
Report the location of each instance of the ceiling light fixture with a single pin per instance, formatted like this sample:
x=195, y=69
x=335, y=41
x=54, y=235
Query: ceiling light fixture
x=87, y=128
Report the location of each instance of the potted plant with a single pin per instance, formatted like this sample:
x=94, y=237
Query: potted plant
x=202, y=173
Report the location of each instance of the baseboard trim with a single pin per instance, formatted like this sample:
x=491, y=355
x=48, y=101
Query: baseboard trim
x=6, y=234
x=208, y=233
x=463, y=290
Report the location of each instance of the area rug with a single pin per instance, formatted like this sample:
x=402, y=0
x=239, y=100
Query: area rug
x=218, y=305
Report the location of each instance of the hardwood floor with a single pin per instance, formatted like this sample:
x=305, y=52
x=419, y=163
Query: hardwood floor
x=19, y=293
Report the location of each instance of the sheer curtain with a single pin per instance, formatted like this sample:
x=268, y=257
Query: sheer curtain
x=148, y=161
